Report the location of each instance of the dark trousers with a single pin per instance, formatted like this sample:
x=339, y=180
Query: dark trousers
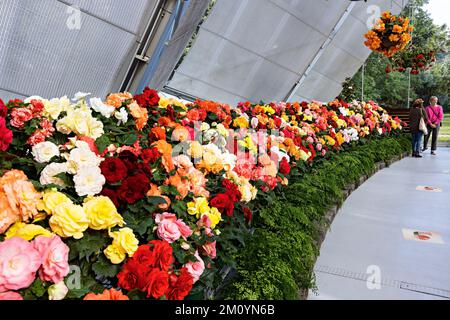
x=416, y=142
x=434, y=140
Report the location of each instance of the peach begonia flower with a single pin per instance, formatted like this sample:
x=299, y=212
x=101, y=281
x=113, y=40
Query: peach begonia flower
x=180, y=134
x=180, y=183
x=139, y=114
x=165, y=149
x=18, y=199
x=116, y=99
x=111, y=294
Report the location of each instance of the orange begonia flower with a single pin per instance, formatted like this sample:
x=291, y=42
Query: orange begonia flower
x=165, y=149
x=158, y=133
x=116, y=99
x=156, y=192
x=111, y=294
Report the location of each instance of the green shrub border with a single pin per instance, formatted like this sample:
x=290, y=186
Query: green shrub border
x=278, y=260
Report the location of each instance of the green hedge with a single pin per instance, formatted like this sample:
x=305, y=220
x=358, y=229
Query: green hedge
x=278, y=259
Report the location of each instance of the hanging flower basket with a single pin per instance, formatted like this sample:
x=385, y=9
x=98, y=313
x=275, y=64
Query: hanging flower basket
x=390, y=35
x=416, y=60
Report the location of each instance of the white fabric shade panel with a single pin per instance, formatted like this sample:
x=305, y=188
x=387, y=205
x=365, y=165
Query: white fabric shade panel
x=259, y=49
x=41, y=55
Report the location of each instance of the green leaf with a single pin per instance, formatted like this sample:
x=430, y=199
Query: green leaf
x=102, y=143
x=140, y=222
x=179, y=207
x=156, y=200
x=92, y=243
x=65, y=178
x=127, y=139
x=104, y=268
x=35, y=291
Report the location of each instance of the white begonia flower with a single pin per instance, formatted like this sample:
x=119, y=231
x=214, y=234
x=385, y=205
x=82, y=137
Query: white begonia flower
x=228, y=161
x=210, y=134
x=276, y=150
x=222, y=130
x=82, y=157
x=205, y=126
x=254, y=123
x=122, y=116
x=89, y=181
x=344, y=111
x=98, y=106
x=57, y=291
x=80, y=96
x=48, y=175
x=64, y=126
x=54, y=107
x=43, y=152
x=248, y=191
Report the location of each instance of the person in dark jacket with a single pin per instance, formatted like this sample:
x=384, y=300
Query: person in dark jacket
x=416, y=113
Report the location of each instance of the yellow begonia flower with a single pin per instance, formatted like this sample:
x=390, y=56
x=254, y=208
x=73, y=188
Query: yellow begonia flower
x=248, y=143
x=27, y=231
x=69, y=220
x=51, y=199
x=214, y=216
x=125, y=239
x=241, y=122
x=102, y=213
x=115, y=254
x=270, y=110
x=195, y=150
x=124, y=242
x=330, y=140
x=340, y=138
x=199, y=207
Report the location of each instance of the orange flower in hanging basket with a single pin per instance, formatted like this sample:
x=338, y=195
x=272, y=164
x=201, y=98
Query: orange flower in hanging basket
x=391, y=34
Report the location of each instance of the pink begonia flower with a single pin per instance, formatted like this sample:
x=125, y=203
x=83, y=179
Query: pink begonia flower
x=204, y=221
x=19, y=262
x=319, y=147
x=19, y=116
x=210, y=249
x=195, y=269
x=55, y=258
x=10, y=296
x=171, y=229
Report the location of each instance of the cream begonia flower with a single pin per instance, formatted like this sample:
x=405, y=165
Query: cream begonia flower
x=89, y=181
x=43, y=152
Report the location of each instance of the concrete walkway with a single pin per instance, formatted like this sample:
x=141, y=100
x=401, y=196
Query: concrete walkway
x=365, y=254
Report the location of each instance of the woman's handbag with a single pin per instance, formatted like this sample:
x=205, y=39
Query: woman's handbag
x=423, y=126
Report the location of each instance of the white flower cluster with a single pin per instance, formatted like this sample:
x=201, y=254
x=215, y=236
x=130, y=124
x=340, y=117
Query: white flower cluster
x=80, y=162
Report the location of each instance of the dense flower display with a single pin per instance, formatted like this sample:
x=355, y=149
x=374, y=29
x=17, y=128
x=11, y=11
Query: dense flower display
x=144, y=197
x=415, y=60
x=390, y=34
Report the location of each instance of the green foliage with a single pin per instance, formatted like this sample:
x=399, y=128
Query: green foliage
x=278, y=259
x=92, y=243
x=36, y=291
x=104, y=268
